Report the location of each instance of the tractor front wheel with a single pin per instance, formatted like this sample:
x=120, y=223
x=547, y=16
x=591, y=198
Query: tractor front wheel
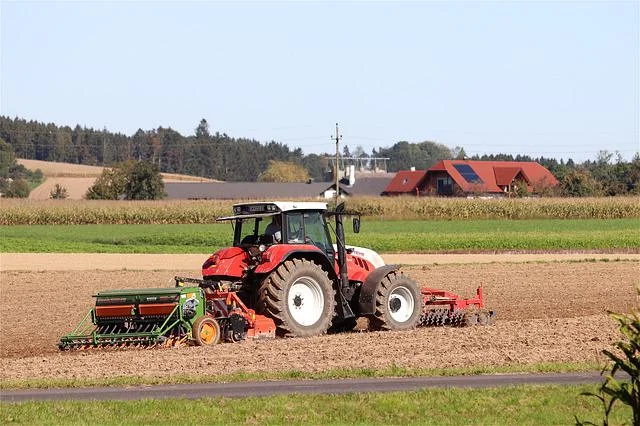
x=299, y=297
x=398, y=304
x=206, y=331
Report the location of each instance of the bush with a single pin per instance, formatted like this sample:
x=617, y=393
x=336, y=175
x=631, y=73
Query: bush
x=144, y=182
x=580, y=183
x=129, y=180
x=14, y=188
x=284, y=171
x=58, y=192
x=626, y=359
x=108, y=186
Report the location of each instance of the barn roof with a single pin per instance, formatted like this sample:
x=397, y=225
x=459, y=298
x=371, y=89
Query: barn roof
x=506, y=175
x=243, y=190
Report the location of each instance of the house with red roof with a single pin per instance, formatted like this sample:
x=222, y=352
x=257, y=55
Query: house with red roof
x=405, y=182
x=465, y=177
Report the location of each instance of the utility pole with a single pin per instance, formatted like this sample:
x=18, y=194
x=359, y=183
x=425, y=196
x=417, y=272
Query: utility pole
x=104, y=144
x=337, y=139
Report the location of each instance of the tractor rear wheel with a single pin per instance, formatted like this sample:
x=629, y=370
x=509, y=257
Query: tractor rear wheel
x=299, y=297
x=206, y=331
x=398, y=304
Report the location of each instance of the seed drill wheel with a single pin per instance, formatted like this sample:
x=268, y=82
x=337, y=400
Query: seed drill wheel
x=398, y=304
x=299, y=297
x=206, y=331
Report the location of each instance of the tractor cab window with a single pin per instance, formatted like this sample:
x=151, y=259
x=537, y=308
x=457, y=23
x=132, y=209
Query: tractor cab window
x=259, y=230
x=315, y=231
x=308, y=228
x=295, y=230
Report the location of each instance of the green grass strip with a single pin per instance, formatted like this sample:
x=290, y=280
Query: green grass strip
x=352, y=373
x=384, y=237
x=515, y=405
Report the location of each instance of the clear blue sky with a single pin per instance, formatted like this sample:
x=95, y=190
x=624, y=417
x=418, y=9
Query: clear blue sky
x=559, y=79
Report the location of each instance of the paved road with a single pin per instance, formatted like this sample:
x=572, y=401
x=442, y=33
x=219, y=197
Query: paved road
x=264, y=388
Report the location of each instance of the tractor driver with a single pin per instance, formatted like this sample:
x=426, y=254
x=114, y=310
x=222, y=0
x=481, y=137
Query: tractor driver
x=274, y=229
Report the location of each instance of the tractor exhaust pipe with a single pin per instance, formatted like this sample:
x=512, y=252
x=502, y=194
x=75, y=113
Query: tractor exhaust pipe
x=346, y=311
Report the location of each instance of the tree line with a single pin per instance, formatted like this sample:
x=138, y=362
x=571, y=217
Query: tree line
x=219, y=156
x=205, y=154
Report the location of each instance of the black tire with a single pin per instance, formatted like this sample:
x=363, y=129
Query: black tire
x=284, y=293
x=398, y=304
x=206, y=331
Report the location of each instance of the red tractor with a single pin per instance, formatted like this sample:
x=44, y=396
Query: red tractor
x=284, y=266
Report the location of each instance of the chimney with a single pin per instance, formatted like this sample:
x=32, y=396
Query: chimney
x=352, y=175
x=413, y=169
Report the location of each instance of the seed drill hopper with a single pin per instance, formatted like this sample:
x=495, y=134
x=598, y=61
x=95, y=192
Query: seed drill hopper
x=141, y=317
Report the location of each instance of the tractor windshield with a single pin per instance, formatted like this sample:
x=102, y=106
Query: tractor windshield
x=257, y=230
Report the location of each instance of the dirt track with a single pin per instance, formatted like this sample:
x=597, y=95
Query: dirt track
x=547, y=312
x=172, y=262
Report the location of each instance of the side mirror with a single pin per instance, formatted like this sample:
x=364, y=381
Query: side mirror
x=356, y=225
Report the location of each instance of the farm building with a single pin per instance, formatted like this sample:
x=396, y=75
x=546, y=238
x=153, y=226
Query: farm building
x=242, y=190
x=363, y=186
x=367, y=185
x=463, y=177
x=406, y=182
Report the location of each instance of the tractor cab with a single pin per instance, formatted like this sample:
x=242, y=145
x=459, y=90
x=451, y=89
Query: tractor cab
x=257, y=226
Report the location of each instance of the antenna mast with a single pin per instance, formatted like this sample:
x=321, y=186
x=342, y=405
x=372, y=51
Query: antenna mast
x=335, y=170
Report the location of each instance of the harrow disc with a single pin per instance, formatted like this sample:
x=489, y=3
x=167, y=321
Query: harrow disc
x=438, y=317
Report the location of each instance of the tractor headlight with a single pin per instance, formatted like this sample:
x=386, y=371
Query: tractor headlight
x=211, y=261
x=262, y=248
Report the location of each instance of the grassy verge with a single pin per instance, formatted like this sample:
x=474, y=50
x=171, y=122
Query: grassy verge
x=382, y=236
x=508, y=405
x=391, y=371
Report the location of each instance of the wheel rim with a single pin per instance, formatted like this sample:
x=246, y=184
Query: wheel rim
x=401, y=304
x=207, y=333
x=305, y=301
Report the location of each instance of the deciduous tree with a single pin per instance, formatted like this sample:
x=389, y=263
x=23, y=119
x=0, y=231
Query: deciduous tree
x=130, y=180
x=284, y=171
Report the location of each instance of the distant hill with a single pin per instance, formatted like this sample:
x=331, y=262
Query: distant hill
x=77, y=178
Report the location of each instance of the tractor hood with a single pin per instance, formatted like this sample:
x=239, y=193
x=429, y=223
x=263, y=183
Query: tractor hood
x=228, y=262
x=365, y=253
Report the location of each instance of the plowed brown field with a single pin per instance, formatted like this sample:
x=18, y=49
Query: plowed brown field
x=547, y=312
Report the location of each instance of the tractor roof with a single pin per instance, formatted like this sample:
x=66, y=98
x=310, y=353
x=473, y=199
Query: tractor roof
x=270, y=208
x=285, y=206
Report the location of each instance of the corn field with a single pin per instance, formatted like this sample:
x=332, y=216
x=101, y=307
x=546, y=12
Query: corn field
x=81, y=212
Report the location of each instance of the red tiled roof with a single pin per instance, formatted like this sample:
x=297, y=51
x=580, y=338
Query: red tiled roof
x=505, y=175
x=405, y=181
x=494, y=173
